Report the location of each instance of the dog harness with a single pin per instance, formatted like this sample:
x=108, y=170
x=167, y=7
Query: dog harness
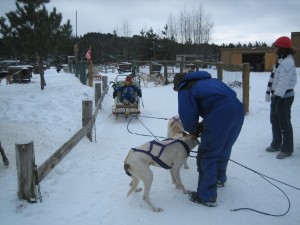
x=156, y=148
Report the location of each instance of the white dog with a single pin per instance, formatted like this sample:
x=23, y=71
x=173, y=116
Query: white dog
x=175, y=130
x=169, y=154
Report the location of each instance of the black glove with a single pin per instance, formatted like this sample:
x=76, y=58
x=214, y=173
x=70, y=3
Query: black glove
x=200, y=127
x=139, y=93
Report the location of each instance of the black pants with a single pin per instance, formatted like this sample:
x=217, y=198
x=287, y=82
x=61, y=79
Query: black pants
x=281, y=124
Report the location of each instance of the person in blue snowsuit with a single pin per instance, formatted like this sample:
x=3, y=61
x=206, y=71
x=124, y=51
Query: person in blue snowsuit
x=128, y=91
x=200, y=95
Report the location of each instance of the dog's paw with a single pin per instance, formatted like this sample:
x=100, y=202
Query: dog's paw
x=158, y=209
x=186, y=192
x=178, y=186
x=138, y=189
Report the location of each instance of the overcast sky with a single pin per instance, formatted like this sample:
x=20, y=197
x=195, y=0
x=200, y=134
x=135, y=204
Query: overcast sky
x=235, y=21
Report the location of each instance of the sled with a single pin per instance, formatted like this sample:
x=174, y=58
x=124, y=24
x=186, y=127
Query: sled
x=119, y=107
x=124, y=68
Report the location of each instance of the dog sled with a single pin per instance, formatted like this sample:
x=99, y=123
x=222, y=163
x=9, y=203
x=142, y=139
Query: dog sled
x=124, y=68
x=120, y=108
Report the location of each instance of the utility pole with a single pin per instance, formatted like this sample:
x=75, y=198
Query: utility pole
x=76, y=24
x=153, y=50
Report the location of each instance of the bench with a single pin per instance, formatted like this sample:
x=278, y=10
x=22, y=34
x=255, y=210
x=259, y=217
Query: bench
x=97, y=77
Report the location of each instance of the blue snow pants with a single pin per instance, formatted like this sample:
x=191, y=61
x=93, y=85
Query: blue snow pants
x=222, y=126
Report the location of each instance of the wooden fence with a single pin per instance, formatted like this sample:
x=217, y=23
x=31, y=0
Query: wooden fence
x=244, y=68
x=29, y=175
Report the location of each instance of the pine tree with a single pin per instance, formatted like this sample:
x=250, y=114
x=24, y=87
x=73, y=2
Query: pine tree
x=32, y=31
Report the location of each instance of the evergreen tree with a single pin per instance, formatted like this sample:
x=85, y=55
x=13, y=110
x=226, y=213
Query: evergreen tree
x=31, y=30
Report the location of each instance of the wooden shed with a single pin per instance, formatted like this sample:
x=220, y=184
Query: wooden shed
x=260, y=59
x=296, y=45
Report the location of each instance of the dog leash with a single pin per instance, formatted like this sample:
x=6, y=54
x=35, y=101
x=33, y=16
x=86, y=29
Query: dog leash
x=265, y=177
x=153, y=117
x=152, y=135
x=254, y=171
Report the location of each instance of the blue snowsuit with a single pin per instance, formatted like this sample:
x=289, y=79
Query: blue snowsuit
x=128, y=92
x=223, y=117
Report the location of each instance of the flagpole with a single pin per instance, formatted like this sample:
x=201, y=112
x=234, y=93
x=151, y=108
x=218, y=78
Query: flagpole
x=90, y=66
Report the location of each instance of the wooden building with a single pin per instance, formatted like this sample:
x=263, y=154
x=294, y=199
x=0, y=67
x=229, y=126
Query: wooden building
x=295, y=37
x=260, y=59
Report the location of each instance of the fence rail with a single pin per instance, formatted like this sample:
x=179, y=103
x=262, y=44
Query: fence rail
x=28, y=175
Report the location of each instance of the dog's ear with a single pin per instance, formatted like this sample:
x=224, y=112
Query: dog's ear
x=185, y=134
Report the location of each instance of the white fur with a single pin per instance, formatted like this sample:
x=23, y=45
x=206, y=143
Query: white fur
x=137, y=164
x=175, y=130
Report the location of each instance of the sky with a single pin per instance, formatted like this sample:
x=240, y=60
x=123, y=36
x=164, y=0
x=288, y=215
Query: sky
x=89, y=186
x=235, y=21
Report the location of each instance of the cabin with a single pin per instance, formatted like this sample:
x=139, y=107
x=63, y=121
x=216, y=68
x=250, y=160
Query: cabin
x=260, y=59
x=296, y=45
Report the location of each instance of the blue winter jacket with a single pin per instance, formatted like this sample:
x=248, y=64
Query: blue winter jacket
x=200, y=98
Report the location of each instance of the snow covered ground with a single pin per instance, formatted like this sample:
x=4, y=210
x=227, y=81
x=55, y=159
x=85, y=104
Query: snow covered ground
x=89, y=186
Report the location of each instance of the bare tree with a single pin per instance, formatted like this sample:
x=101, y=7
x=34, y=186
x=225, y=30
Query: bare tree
x=123, y=30
x=185, y=22
x=193, y=26
x=126, y=30
x=172, y=28
x=207, y=34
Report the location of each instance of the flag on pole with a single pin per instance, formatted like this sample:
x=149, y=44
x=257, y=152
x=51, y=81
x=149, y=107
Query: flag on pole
x=88, y=54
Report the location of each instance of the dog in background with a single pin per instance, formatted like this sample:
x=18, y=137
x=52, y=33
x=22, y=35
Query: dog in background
x=169, y=154
x=7, y=76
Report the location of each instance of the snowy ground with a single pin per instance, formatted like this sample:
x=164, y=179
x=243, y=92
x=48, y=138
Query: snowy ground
x=89, y=186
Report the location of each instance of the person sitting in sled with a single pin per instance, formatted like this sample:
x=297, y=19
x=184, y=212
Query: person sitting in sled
x=128, y=91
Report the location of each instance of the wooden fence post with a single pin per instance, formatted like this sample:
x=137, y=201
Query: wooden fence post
x=220, y=71
x=25, y=161
x=87, y=114
x=97, y=92
x=246, y=78
x=104, y=82
x=197, y=66
x=181, y=66
x=166, y=81
x=150, y=68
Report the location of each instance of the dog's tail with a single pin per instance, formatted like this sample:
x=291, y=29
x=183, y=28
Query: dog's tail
x=126, y=168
